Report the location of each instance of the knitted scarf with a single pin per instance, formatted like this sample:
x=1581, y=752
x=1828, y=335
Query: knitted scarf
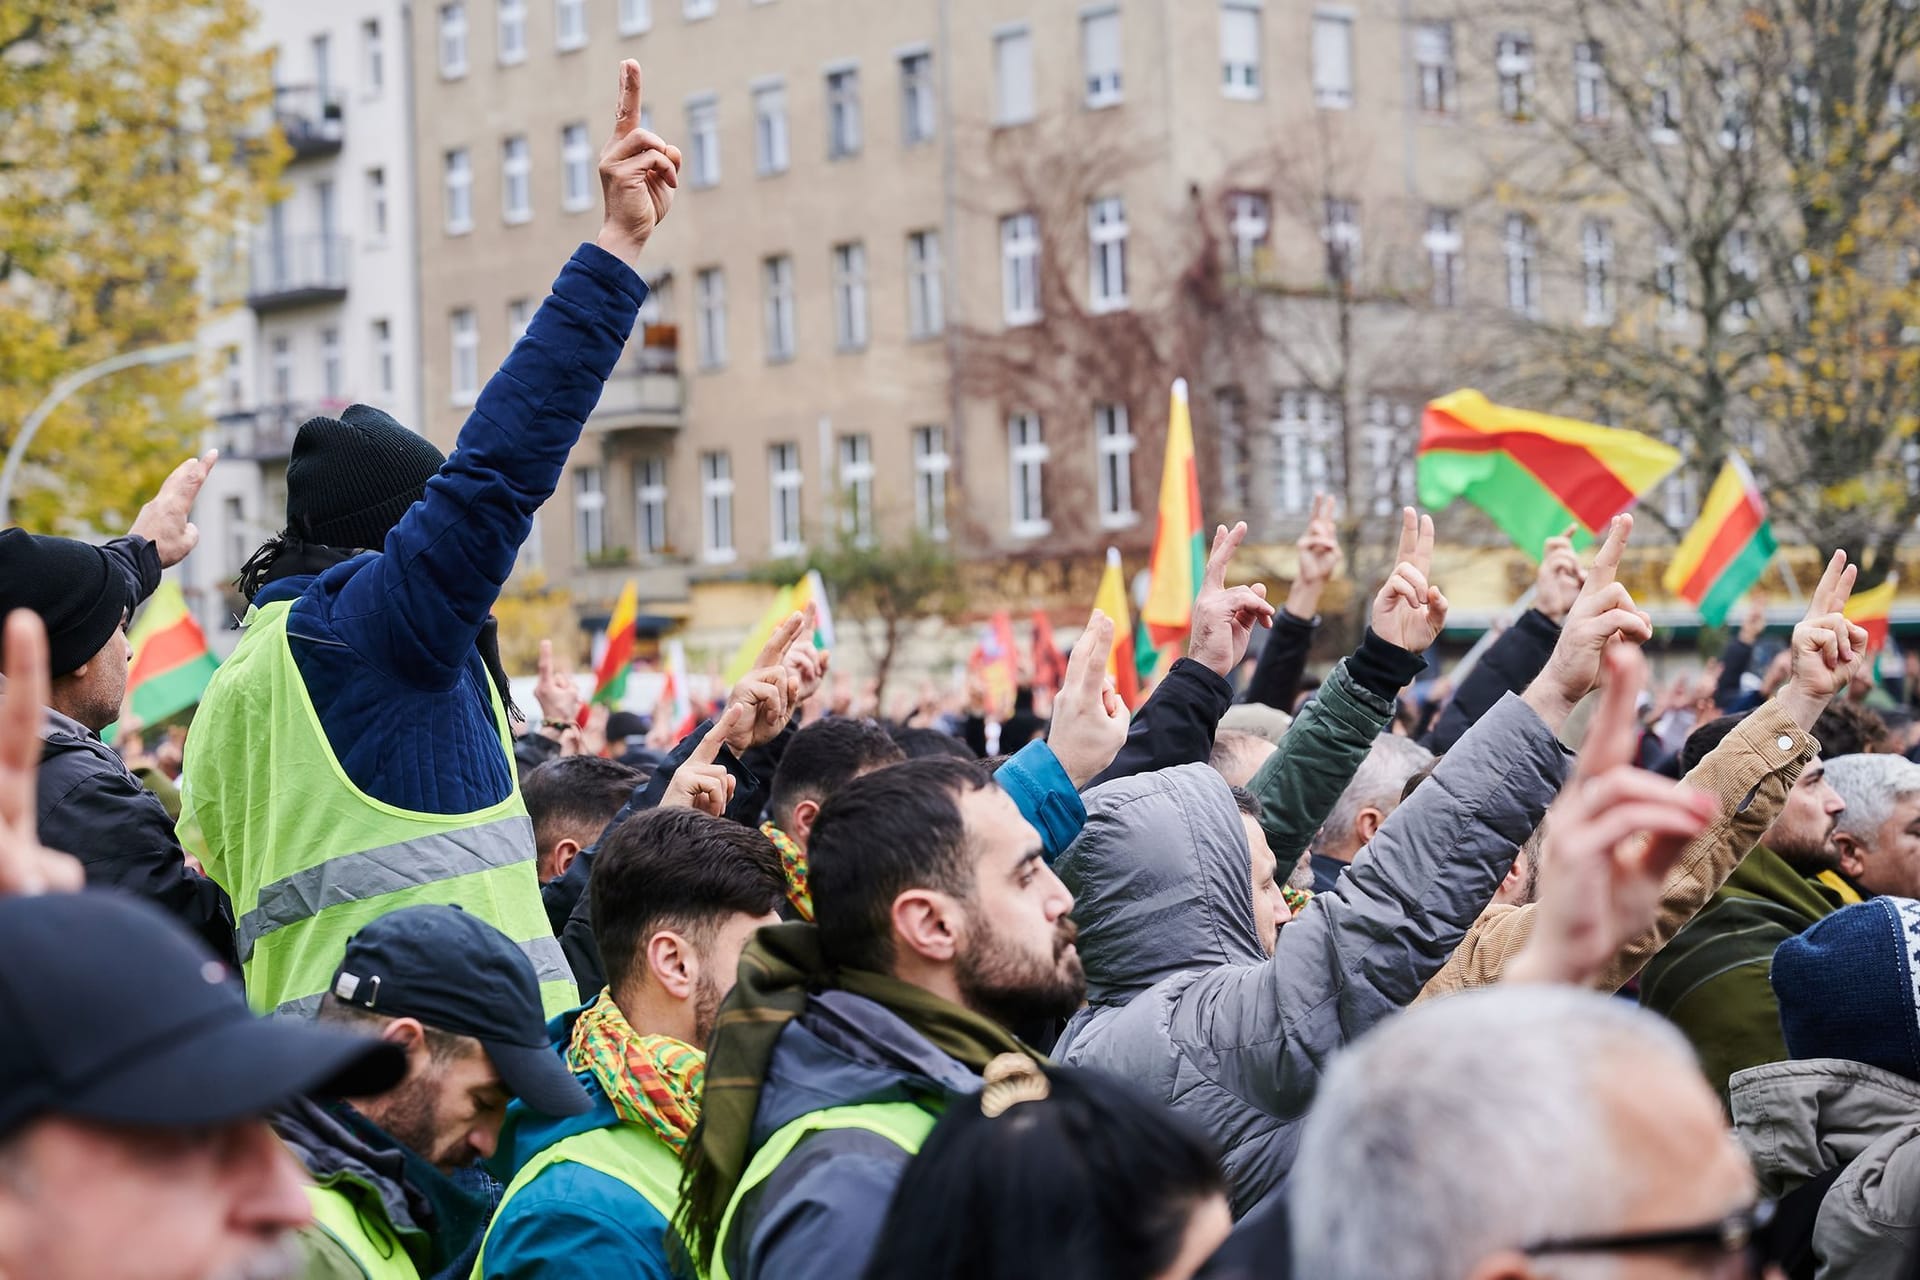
x=651, y=1080
x=793, y=864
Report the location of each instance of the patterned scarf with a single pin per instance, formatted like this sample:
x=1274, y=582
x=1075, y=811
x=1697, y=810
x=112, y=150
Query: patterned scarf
x=1296, y=899
x=651, y=1080
x=793, y=862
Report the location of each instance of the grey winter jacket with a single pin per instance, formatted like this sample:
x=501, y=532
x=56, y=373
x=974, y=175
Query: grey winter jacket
x=1799, y=1119
x=1185, y=1002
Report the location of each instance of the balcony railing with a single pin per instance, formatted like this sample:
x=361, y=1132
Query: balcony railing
x=266, y=434
x=310, y=117
x=645, y=391
x=297, y=271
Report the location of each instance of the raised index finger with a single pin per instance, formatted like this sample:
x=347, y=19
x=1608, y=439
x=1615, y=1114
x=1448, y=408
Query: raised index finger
x=1825, y=598
x=1607, y=562
x=774, y=652
x=1423, y=546
x=1087, y=664
x=1225, y=542
x=708, y=751
x=27, y=692
x=626, y=112
x=1610, y=735
x=1409, y=534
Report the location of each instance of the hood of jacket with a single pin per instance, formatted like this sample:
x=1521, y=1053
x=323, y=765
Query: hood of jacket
x=1765, y=875
x=1162, y=880
x=1799, y=1119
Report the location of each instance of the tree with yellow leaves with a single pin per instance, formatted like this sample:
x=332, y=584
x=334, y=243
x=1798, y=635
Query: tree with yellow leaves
x=134, y=144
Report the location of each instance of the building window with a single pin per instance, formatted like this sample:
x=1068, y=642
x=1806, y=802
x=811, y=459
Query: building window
x=322, y=47
x=650, y=505
x=926, y=317
x=1390, y=437
x=1433, y=60
x=1736, y=119
x=590, y=512
x=576, y=169
x=1307, y=424
x=1027, y=455
x=1663, y=113
x=569, y=24
x=716, y=506
x=916, y=98
x=1107, y=254
x=1341, y=232
x=333, y=378
x=453, y=39
x=519, y=314
x=1113, y=458
x=1239, y=50
x=1513, y=63
x=843, y=113
x=1020, y=268
x=1670, y=281
x=1444, y=255
x=373, y=57
x=783, y=473
x=850, y=296
x=1333, y=60
x=233, y=387
x=280, y=369
x=466, y=356
x=703, y=141
x=1250, y=223
x=376, y=206
x=1589, y=83
x=459, y=192
x=1100, y=56
x=1013, y=76
x=516, y=180
x=710, y=318
x=1596, y=270
x=513, y=32
x=770, y=142
x=1523, y=267
x=383, y=356
x=856, y=488
x=778, y=279
x=636, y=16
x=694, y=10
x=931, y=465
x=1743, y=276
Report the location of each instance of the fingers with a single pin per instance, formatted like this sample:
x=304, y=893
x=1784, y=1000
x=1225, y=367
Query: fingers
x=1627, y=624
x=774, y=651
x=546, y=661
x=1857, y=637
x=1248, y=605
x=1409, y=534
x=1423, y=545
x=641, y=150
x=1613, y=733
x=1225, y=542
x=1087, y=663
x=724, y=728
x=184, y=484
x=1607, y=563
x=25, y=656
x=1436, y=609
x=1826, y=597
x=626, y=107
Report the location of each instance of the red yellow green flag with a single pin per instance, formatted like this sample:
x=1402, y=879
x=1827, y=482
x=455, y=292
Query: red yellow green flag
x=1728, y=548
x=171, y=662
x=1874, y=611
x=1179, y=545
x=1532, y=473
x=1112, y=601
x=610, y=677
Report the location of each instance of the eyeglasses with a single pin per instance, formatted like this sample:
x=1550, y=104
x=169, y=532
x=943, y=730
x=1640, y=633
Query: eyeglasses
x=1742, y=1234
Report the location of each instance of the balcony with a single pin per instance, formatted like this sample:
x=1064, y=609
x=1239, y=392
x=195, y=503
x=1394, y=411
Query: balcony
x=309, y=118
x=297, y=271
x=264, y=434
x=645, y=391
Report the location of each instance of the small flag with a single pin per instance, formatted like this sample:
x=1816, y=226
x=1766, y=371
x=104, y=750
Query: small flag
x=675, y=706
x=1874, y=611
x=757, y=635
x=1049, y=664
x=1534, y=474
x=1179, y=545
x=810, y=590
x=993, y=659
x=610, y=677
x=1728, y=548
x=171, y=662
x=1112, y=601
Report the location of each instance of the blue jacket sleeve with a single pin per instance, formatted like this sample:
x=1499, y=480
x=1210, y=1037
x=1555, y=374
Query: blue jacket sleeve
x=1038, y=783
x=415, y=611
x=1176, y=725
x=573, y=1221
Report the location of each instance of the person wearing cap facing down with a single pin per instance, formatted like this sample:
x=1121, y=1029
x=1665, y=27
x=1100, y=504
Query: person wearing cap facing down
x=463, y=1002
x=354, y=755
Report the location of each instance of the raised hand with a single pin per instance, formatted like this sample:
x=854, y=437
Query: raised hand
x=1319, y=549
x=1224, y=617
x=555, y=690
x=1755, y=623
x=1558, y=583
x=1410, y=611
x=25, y=867
x=808, y=664
x=639, y=172
x=701, y=782
x=1612, y=836
x=167, y=521
x=1089, y=719
x=1602, y=613
x=1826, y=651
x=769, y=692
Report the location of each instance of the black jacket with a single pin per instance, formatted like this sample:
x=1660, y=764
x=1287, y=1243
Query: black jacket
x=1176, y=725
x=1276, y=677
x=1508, y=666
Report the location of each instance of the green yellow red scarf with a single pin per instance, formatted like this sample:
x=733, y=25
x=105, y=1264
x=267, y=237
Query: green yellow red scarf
x=793, y=862
x=651, y=1080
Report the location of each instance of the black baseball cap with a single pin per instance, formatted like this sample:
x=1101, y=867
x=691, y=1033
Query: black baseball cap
x=455, y=972
x=111, y=1011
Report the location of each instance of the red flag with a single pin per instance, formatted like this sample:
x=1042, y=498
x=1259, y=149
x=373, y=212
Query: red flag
x=1049, y=664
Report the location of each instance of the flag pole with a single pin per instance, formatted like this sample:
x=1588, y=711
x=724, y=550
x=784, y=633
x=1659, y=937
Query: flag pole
x=1487, y=637
x=1786, y=575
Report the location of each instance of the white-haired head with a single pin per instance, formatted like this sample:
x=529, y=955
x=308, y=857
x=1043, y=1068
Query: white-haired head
x=1374, y=792
x=1878, y=836
x=1871, y=785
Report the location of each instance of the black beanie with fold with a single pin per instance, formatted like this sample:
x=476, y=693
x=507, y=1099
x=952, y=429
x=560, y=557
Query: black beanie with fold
x=351, y=478
x=74, y=587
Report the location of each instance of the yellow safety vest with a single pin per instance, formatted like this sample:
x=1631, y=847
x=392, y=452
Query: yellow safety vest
x=371, y=1242
x=308, y=859
x=626, y=1152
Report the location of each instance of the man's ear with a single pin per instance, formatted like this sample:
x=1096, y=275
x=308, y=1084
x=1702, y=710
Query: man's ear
x=1853, y=855
x=1366, y=824
x=927, y=924
x=564, y=852
x=672, y=964
x=411, y=1036
x=804, y=814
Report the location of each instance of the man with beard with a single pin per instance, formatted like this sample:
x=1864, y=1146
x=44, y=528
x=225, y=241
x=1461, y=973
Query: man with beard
x=463, y=1002
x=676, y=895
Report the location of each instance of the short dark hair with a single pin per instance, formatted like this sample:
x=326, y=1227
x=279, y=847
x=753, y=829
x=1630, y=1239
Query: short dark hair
x=576, y=791
x=1413, y=783
x=1846, y=728
x=824, y=757
x=442, y=1046
x=1247, y=802
x=918, y=743
x=676, y=869
x=1704, y=739
x=880, y=835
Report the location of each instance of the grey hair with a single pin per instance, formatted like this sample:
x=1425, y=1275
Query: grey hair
x=1871, y=785
x=1238, y=755
x=1376, y=784
x=1506, y=1080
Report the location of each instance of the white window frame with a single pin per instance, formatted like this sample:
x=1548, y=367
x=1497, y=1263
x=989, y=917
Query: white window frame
x=1340, y=232
x=1663, y=113
x=457, y=170
x=452, y=40
x=378, y=211
x=1103, y=83
x=1106, y=254
x=519, y=316
x=776, y=282
x=1670, y=282
x=382, y=349
x=1240, y=60
x=589, y=513
x=569, y=25
x=280, y=369
x=1114, y=444
x=1513, y=66
x=1446, y=256
x=635, y=17
x=1027, y=455
x=1013, y=94
x=1743, y=272
x=855, y=453
x=919, y=107
x=373, y=58
x=650, y=506
x=1305, y=424
x=1390, y=424
x=516, y=179
x=333, y=370
x=1250, y=226
x=716, y=508
x=703, y=140
x=772, y=138
x=576, y=167
x=1521, y=245
x=695, y=10
x=786, y=536
x=1333, y=58
x=1436, y=69
x=850, y=329
x=710, y=318
x=1591, y=104
x=1020, y=268
x=932, y=467
x=1596, y=272
x=926, y=313
x=511, y=32
x=844, y=131
x=464, y=326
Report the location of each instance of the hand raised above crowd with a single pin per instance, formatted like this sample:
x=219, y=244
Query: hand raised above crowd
x=26, y=867
x=1410, y=611
x=770, y=692
x=1319, y=548
x=639, y=172
x=167, y=521
x=1089, y=719
x=1826, y=651
x=702, y=782
x=1558, y=583
x=1602, y=613
x=558, y=696
x=1224, y=617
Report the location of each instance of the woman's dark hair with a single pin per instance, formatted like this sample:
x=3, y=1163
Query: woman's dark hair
x=1096, y=1181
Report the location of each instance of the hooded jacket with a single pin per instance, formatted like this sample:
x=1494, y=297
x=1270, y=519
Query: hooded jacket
x=1182, y=997
x=1798, y=1120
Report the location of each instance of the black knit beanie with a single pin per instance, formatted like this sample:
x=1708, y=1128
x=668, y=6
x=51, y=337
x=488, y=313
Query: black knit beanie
x=73, y=586
x=351, y=478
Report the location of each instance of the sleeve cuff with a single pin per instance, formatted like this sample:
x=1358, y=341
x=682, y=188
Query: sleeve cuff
x=1037, y=782
x=1383, y=668
x=1210, y=680
x=1540, y=625
x=611, y=271
x=1294, y=623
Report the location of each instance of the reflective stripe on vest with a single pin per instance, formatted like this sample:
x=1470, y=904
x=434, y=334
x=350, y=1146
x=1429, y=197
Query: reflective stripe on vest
x=626, y=1153
x=904, y=1124
x=307, y=858
x=371, y=1243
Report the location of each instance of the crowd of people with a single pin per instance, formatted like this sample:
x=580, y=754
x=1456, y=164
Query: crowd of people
x=415, y=987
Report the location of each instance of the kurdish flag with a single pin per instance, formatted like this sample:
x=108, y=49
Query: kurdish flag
x=1532, y=473
x=1112, y=601
x=171, y=664
x=788, y=600
x=1728, y=548
x=811, y=590
x=610, y=677
x=1179, y=545
x=1874, y=611
x=675, y=706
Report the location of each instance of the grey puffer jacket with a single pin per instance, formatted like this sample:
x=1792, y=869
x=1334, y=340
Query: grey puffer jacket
x=1184, y=1000
x=1799, y=1119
